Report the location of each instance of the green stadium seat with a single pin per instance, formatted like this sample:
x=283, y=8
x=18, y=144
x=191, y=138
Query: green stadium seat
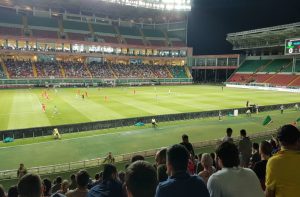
x=252, y=65
x=178, y=71
x=74, y=25
x=108, y=29
x=42, y=22
x=129, y=31
x=9, y=16
x=153, y=33
x=276, y=65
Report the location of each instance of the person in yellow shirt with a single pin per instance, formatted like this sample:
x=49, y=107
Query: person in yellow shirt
x=282, y=173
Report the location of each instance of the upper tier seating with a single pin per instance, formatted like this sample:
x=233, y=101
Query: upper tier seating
x=10, y=31
x=178, y=44
x=178, y=71
x=134, y=41
x=19, y=69
x=48, y=69
x=153, y=33
x=129, y=31
x=99, y=28
x=276, y=65
x=159, y=43
x=2, y=74
x=9, y=16
x=108, y=39
x=100, y=70
x=42, y=22
x=252, y=65
x=77, y=36
x=44, y=34
x=74, y=25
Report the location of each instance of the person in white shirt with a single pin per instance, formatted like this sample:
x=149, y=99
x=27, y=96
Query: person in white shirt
x=232, y=180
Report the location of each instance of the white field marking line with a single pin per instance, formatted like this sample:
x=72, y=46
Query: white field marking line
x=75, y=138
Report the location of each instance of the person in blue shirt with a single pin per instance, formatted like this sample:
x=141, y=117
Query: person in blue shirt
x=110, y=186
x=180, y=183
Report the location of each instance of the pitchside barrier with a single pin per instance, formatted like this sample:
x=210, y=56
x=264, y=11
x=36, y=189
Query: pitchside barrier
x=99, y=125
x=59, y=168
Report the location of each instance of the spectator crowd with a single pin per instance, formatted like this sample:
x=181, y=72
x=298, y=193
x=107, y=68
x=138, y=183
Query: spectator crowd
x=73, y=69
x=236, y=169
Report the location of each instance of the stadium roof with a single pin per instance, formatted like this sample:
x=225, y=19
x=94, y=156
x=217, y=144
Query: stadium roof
x=270, y=37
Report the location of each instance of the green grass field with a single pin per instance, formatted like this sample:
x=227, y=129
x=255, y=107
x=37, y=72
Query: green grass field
x=22, y=108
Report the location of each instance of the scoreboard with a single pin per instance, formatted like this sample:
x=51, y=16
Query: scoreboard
x=292, y=46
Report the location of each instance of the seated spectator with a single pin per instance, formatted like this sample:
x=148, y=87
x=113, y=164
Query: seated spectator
x=121, y=176
x=30, y=185
x=208, y=168
x=47, y=187
x=21, y=171
x=275, y=146
x=137, y=158
x=180, y=183
x=110, y=186
x=228, y=137
x=82, y=180
x=255, y=155
x=282, y=174
x=265, y=150
x=13, y=191
x=73, y=184
x=245, y=147
x=199, y=166
x=161, y=166
x=2, y=193
x=213, y=156
x=231, y=180
x=191, y=165
x=64, y=187
x=185, y=142
x=57, y=185
x=140, y=180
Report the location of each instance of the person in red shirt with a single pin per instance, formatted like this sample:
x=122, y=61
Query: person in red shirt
x=43, y=107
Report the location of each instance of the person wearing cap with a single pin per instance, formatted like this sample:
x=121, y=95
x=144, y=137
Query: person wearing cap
x=282, y=173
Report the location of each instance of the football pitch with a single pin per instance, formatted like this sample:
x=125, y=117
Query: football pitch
x=22, y=108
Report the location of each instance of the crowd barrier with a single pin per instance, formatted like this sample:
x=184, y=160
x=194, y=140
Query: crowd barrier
x=106, y=124
x=59, y=168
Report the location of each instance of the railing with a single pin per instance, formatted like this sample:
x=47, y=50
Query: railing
x=58, y=168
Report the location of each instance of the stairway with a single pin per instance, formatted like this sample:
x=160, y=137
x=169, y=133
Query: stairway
x=4, y=68
x=35, y=74
x=119, y=37
x=88, y=70
x=145, y=41
x=170, y=73
x=112, y=71
x=188, y=73
x=62, y=71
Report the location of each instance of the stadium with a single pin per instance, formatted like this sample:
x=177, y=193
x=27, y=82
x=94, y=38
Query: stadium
x=87, y=83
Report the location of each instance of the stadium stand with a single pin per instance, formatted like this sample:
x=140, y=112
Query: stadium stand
x=159, y=43
x=106, y=29
x=107, y=39
x=74, y=25
x=100, y=70
x=133, y=41
x=276, y=65
x=178, y=71
x=10, y=31
x=75, y=70
x=48, y=69
x=129, y=31
x=251, y=66
x=151, y=33
x=77, y=36
x=42, y=22
x=2, y=74
x=44, y=34
x=19, y=69
x=9, y=16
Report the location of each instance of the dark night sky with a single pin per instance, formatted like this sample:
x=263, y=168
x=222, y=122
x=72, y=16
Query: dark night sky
x=211, y=20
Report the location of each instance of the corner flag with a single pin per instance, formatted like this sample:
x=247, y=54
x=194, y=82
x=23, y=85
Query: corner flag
x=267, y=120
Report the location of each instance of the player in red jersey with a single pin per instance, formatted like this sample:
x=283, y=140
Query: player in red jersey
x=43, y=107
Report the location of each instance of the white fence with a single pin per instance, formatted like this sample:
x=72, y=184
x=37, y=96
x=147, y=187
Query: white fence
x=58, y=168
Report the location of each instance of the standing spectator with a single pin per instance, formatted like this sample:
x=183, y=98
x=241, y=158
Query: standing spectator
x=30, y=185
x=282, y=175
x=141, y=180
x=2, y=193
x=161, y=166
x=265, y=151
x=21, y=171
x=208, y=168
x=245, y=146
x=275, y=146
x=57, y=185
x=73, y=184
x=82, y=180
x=110, y=186
x=228, y=137
x=47, y=187
x=180, y=183
x=109, y=159
x=185, y=142
x=13, y=191
x=231, y=180
x=199, y=166
x=255, y=155
x=213, y=156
